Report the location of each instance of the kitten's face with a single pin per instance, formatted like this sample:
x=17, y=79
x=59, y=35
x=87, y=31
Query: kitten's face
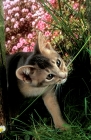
x=53, y=74
x=58, y=73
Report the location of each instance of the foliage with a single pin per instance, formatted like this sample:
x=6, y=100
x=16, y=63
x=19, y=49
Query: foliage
x=63, y=22
x=40, y=131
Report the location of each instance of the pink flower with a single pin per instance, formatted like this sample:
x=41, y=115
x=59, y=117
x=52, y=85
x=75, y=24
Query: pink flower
x=75, y=6
x=22, y=19
x=33, y=1
x=7, y=29
x=7, y=18
x=17, y=15
x=47, y=17
x=6, y=6
x=41, y=25
x=29, y=15
x=14, y=2
x=14, y=48
x=37, y=13
x=19, y=45
x=12, y=37
x=34, y=33
x=17, y=8
x=25, y=10
x=47, y=33
x=9, y=11
x=31, y=48
x=13, y=20
x=33, y=7
x=41, y=9
x=33, y=44
x=22, y=40
x=14, y=9
x=12, y=52
x=33, y=23
x=30, y=36
x=25, y=49
x=8, y=41
x=52, y=1
x=16, y=25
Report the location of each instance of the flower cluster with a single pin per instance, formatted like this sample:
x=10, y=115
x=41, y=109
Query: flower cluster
x=23, y=20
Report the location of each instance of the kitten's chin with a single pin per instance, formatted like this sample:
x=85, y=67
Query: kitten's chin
x=62, y=81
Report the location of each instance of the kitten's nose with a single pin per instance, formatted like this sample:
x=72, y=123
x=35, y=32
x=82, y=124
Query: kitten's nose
x=63, y=76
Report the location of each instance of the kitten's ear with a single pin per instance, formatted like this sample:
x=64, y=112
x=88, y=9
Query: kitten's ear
x=24, y=73
x=43, y=45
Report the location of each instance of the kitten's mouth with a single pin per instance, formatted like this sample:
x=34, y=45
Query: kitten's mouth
x=62, y=81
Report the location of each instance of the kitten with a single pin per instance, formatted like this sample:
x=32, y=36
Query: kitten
x=37, y=73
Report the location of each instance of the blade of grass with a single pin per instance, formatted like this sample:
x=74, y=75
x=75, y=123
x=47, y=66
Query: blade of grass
x=32, y=103
x=85, y=101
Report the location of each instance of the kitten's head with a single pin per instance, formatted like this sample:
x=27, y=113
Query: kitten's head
x=45, y=67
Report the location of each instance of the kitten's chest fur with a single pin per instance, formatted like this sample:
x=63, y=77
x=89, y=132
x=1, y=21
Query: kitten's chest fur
x=29, y=91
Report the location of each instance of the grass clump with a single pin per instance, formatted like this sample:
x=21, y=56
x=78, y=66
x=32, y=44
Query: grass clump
x=42, y=131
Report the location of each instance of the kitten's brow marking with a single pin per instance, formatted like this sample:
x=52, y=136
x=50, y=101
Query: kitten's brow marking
x=47, y=70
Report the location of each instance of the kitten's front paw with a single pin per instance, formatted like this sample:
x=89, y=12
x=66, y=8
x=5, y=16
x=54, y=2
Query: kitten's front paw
x=64, y=127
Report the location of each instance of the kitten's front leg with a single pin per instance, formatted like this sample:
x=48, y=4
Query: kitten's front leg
x=51, y=103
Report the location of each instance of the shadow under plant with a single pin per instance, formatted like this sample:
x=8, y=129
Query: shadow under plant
x=76, y=92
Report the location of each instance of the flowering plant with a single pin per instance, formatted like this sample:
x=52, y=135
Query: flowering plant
x=64, y=26
x=23, y=19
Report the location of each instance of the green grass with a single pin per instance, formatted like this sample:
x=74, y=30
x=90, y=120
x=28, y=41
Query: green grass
x=46, y=133
x=40, y=130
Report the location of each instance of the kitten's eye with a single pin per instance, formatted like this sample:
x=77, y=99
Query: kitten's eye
x=49, y=76
x=58, y=62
